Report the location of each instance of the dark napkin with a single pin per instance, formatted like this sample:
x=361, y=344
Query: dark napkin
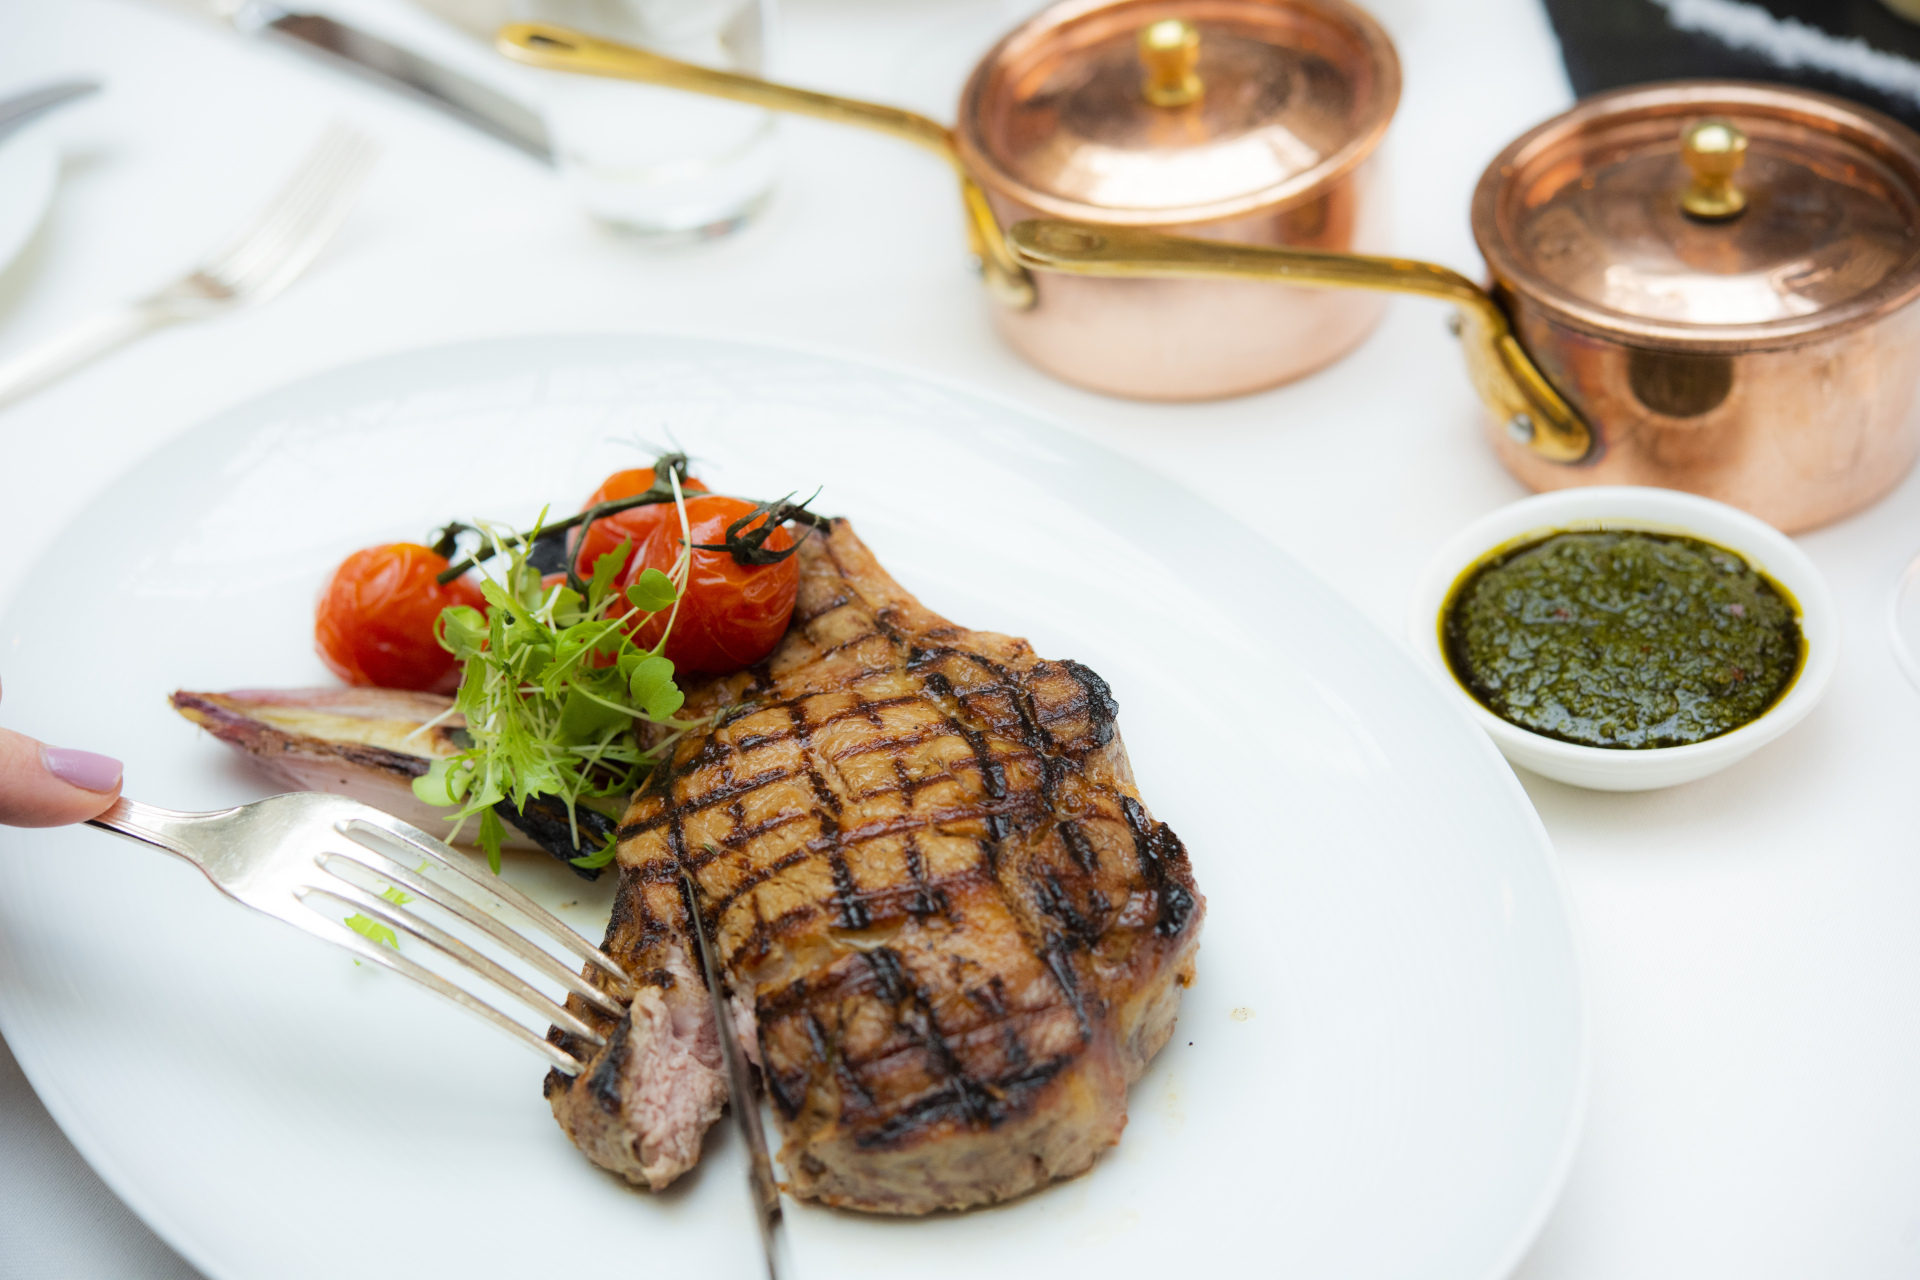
x=1857, y=49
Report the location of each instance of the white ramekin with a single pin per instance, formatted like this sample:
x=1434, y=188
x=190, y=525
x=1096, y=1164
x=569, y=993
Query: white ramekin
x=1656, y=511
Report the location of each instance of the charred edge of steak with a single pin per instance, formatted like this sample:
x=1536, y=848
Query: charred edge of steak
x=557, y=1080
x=604, y=1082
x=543, y=820
x=1103, y=709
x=1161, y=854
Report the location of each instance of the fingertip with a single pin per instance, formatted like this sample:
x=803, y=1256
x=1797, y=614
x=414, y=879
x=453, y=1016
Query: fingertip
x=42, y=786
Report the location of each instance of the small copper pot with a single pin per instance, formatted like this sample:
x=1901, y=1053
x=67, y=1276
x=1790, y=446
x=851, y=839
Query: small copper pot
x=1702, y=285
x=1767, y=355
x=1251, y=121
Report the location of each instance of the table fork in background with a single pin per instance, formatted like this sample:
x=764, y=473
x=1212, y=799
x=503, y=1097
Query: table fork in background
x=261, y=259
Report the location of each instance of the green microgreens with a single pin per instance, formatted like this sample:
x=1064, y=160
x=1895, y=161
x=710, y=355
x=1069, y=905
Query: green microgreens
x=554, y=683
x=599, y=858
x=372, y=930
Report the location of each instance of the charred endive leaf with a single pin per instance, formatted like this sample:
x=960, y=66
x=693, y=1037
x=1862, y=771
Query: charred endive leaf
x=549, y=824
x=370, y=744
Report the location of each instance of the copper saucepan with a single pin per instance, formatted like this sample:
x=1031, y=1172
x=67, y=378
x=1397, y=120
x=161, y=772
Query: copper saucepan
x=1720, y=278
x=1251, y=121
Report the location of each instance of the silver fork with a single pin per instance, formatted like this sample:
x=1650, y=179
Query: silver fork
x=284, y=855
x=259, y=261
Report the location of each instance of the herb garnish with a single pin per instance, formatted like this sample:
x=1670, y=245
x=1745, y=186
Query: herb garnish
x=372, y=930
x=554, y=683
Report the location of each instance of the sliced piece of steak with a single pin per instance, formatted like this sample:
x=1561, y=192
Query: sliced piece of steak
x=927, y=868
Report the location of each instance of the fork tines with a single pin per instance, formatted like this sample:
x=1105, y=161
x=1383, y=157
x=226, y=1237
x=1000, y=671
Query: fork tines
x=279, y=244
x=378, y=847
x=261, y=259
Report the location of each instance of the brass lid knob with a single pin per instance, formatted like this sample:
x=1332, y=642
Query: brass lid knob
x=1169, y=50
x=1714, y=150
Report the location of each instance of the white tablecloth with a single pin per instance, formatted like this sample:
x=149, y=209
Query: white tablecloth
x=1752, y=941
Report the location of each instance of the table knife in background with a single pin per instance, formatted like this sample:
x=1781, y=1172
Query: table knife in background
x=391, y=66
x=30, y=106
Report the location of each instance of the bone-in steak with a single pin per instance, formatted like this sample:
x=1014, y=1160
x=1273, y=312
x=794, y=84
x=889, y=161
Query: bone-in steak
x=952, y=932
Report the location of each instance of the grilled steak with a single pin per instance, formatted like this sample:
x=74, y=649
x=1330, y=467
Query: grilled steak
x=952, y=932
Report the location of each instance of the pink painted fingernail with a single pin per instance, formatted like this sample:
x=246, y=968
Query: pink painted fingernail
x=82, y=769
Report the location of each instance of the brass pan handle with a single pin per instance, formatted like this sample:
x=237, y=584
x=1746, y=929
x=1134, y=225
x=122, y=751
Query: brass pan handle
x=1506, y=378
x=540, y=44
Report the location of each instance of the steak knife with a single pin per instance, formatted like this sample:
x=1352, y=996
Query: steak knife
x=744, y=1102
x=349, y=48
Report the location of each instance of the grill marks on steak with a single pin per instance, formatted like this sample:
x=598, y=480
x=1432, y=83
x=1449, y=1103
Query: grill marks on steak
x=926, y=865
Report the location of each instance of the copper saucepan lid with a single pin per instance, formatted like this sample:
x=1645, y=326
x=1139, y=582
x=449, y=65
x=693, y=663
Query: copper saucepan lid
x=1693, y=217
x=1709, y=217
x=1120, y=112
x=1177, y=112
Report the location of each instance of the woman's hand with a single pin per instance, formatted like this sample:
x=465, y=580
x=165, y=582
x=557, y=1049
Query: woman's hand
x=42, y=786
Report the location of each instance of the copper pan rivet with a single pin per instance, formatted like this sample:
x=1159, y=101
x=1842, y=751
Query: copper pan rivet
x=1065, y=239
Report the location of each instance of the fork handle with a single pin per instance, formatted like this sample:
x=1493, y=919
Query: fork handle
x=93, y=337
x=148, y=824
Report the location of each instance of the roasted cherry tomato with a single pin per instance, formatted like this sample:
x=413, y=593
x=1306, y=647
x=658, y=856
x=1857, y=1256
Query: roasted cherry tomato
x=625, y=484
x=732, y=614
x=376, y=615
x=632, y=525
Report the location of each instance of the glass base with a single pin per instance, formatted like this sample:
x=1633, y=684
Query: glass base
x=655, y=233
x=1903, y=621
x=680, y=197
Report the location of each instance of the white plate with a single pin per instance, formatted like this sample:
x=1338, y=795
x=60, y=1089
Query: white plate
x=29, y=169
x=1379, y=1073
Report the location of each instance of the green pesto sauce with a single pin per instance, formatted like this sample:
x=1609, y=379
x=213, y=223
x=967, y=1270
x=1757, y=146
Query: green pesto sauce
x=1623, y=639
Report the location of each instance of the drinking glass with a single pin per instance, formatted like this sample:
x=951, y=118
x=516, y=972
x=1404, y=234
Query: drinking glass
x=1903, y=621
x=661, y=162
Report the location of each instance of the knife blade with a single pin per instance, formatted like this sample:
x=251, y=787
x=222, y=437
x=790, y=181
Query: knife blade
x=349, y=48
x=745, y=1102
x=18, y=111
